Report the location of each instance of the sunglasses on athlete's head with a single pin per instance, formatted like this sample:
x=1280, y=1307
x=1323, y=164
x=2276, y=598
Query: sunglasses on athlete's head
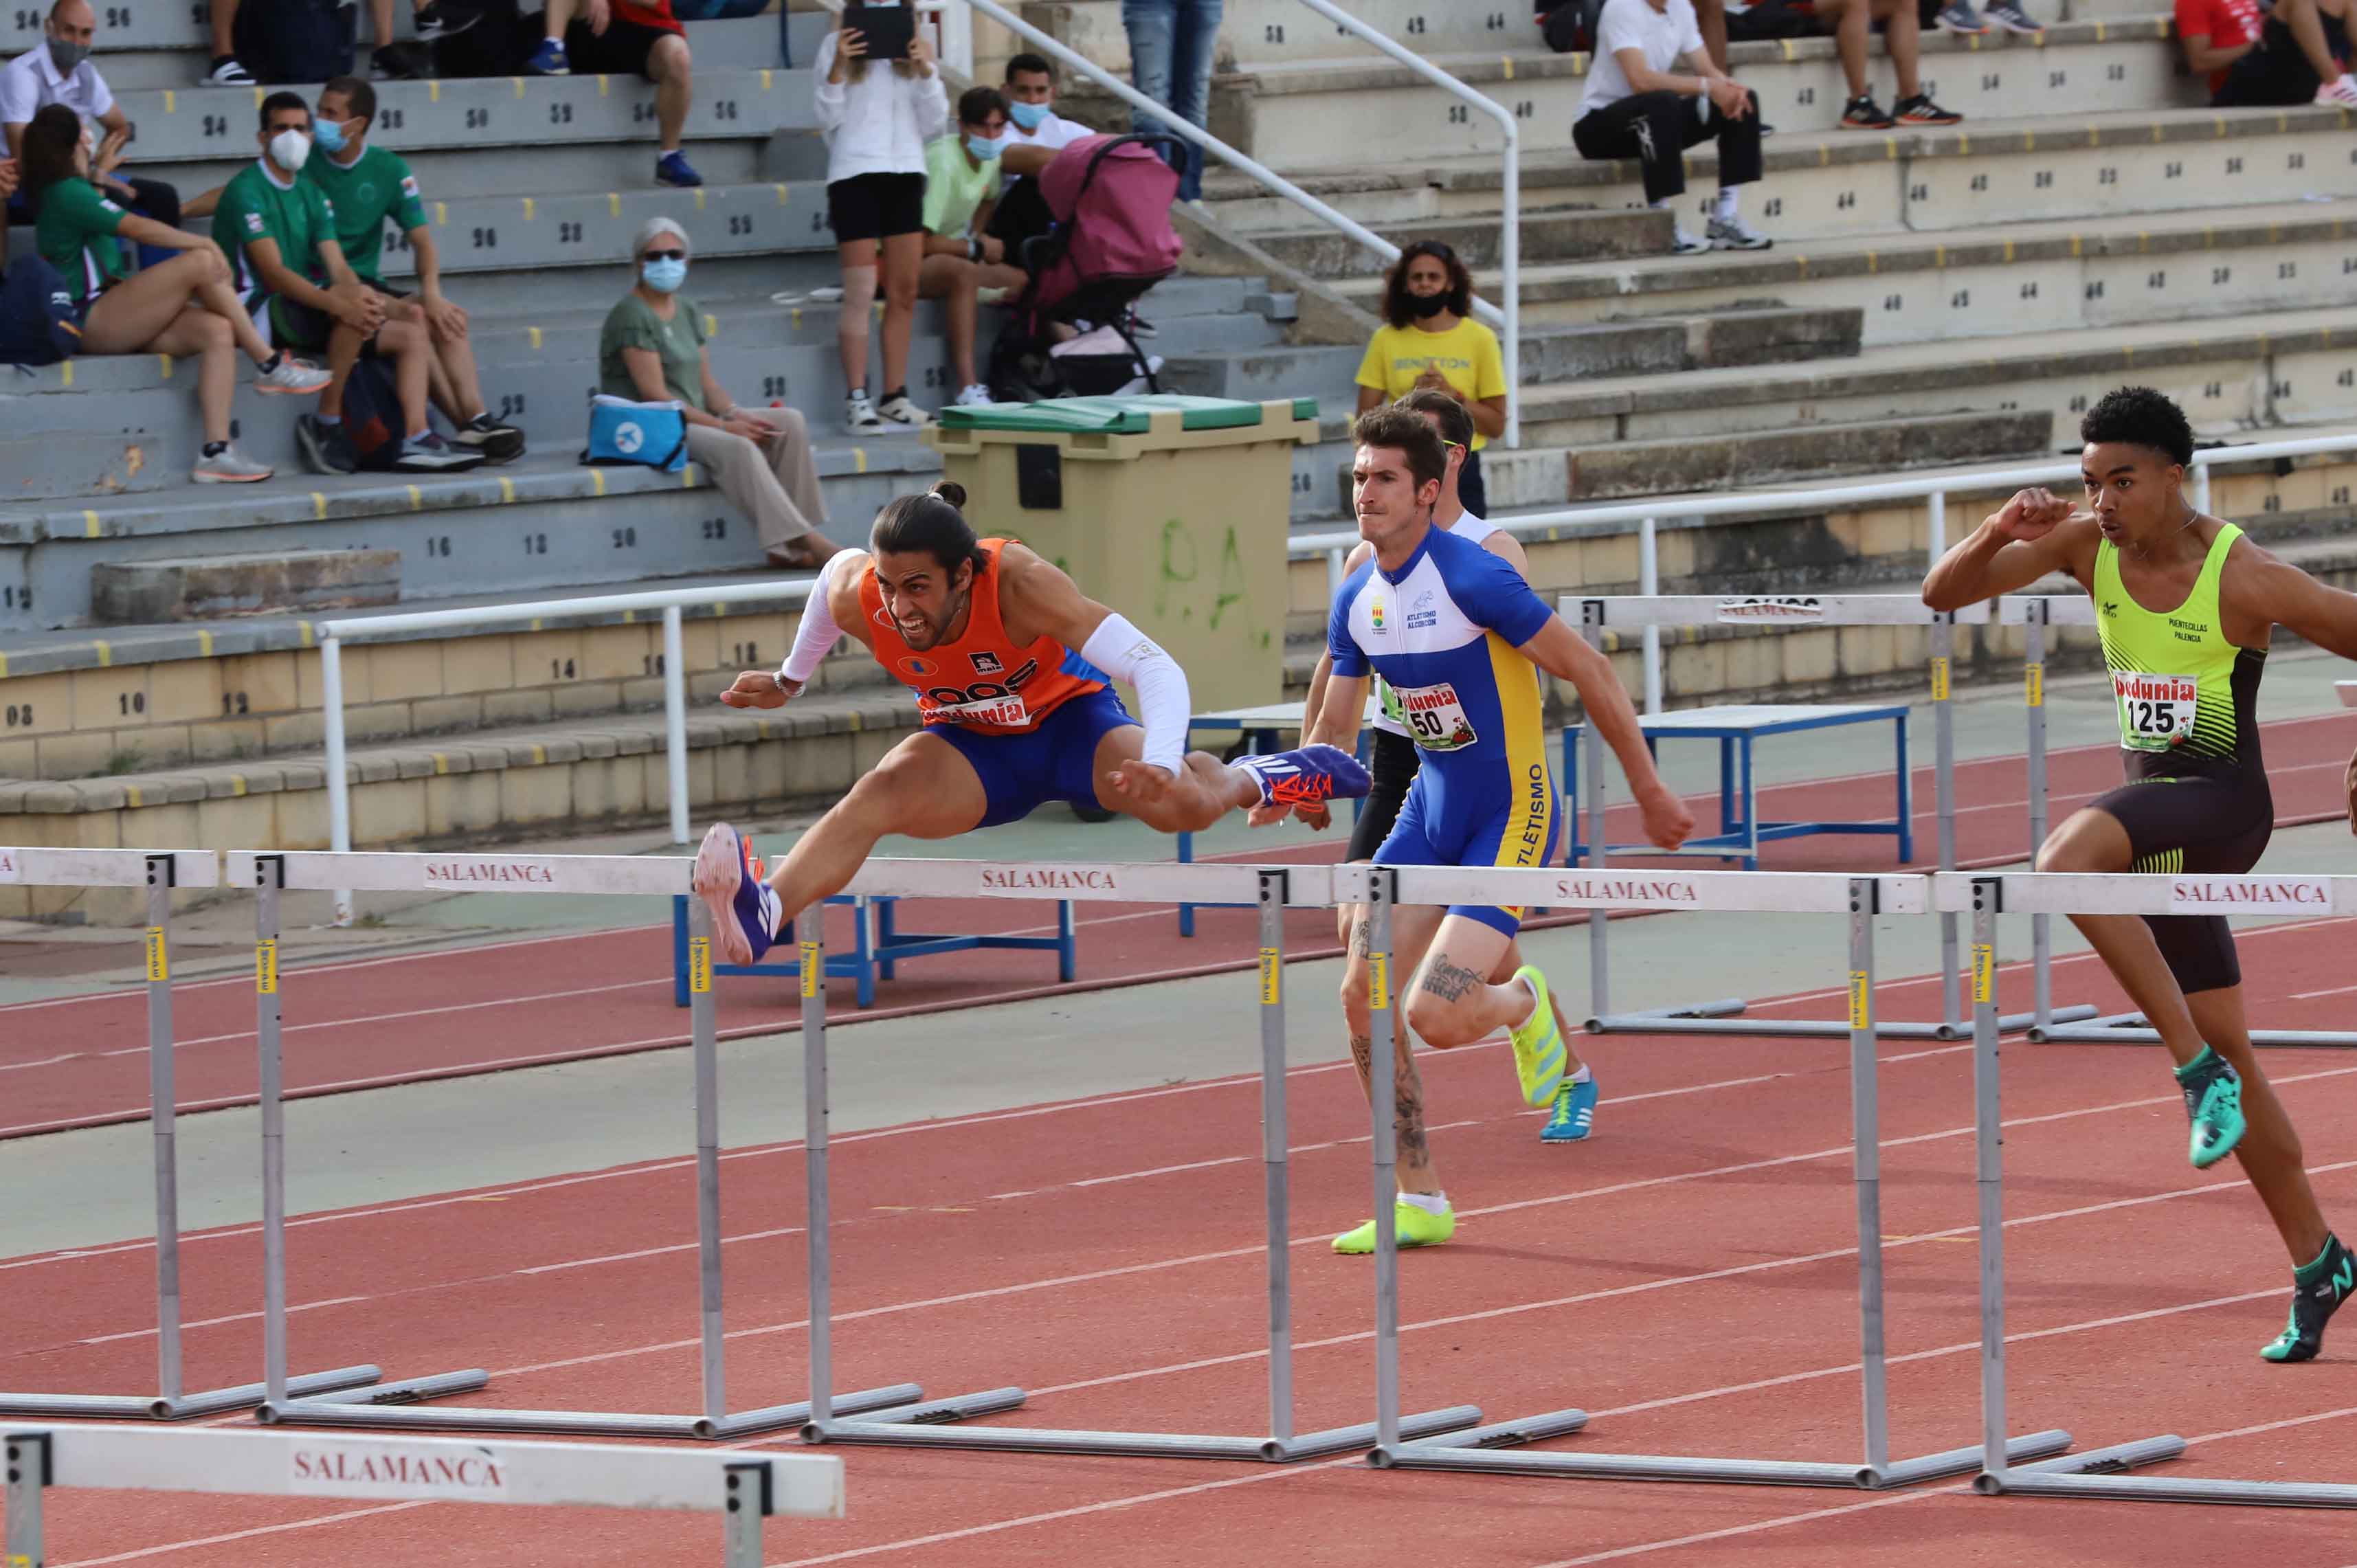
x=665, y=256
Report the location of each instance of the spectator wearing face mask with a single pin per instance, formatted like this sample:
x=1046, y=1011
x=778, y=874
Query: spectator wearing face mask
x=1429, y=340
x=60, y=72
x=366, y=187
x=652, y=349
x=184, y=307
x=280, y=230
x=961, y=260
x=1035, y=135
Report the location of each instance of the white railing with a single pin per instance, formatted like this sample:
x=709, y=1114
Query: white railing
x=393, y=628
x=1933, y=488
x=1508, y=320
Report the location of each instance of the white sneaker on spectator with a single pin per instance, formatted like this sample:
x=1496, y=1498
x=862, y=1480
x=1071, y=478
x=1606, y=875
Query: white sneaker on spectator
x=1685, y=244
x=2343, y=92
x=972, y=397
x=898, y=414
x=227, y=73
x=430, y=454
x=859, y=415
x=1735, y=234
x=292, y=377
x=229, y=467
x=2009, y=16
x=1958, y=17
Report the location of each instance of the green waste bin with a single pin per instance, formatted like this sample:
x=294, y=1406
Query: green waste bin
x=1173, y=510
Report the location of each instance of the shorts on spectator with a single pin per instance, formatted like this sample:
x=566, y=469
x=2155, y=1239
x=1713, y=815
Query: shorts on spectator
x=2275, y=74
x=625, y=48
x=302, y=327
x=875, y=206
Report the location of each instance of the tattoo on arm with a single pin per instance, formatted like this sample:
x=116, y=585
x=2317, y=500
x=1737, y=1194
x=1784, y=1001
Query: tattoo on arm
x=1447, y=981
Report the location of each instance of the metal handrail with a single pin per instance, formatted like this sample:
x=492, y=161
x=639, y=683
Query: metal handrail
x=1509, y=319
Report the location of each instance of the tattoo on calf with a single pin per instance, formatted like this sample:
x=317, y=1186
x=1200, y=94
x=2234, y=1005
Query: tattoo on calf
x=1363, y=1051
x=1407, y=1114
x=1363, y=936
x=1447, y=981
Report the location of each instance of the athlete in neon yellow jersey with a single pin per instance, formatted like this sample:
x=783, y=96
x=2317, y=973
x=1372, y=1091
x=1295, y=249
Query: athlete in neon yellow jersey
x=2186, y=604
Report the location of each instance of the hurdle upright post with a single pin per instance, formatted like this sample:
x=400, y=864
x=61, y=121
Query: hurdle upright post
x=705, y=1050
x=2033, y=696
x=1275, y=1164
x=1591, y=783
x=162, y=1116
x=1383, y=1044
x=1943, y=789
x=272, y=871
x=1865, y=1170
x=810, y=929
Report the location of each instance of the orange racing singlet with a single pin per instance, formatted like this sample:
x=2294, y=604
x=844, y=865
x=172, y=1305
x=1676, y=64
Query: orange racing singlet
x=982, y=681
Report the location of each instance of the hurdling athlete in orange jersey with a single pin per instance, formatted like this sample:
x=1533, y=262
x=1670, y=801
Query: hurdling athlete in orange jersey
x=1013, y=668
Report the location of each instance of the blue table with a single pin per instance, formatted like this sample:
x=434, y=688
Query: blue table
x=1734, y=728
x=1261, y=728
x=872, y=953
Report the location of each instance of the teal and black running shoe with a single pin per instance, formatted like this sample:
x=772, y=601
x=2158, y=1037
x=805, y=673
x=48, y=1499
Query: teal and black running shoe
x=2214, y=1099
x=2318, y=1289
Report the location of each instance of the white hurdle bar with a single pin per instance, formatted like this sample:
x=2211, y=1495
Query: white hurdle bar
x=2094, y=1474
x=392, y=1405
x=1594, y=617
x=1860, y=899
x=1272, y=889
x=2080, y=1025
x=159, y=872
x=743, y=1488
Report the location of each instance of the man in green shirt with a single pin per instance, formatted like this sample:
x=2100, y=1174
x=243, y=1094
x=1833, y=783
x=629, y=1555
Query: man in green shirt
x=282, y=232
x=365, y=186
x=960, y=187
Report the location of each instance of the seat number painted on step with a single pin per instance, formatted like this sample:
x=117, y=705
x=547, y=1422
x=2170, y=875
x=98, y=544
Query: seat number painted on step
x=1435, y=717
x=2156, y=711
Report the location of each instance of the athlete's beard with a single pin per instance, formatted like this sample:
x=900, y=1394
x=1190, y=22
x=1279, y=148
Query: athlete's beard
x=937, y=631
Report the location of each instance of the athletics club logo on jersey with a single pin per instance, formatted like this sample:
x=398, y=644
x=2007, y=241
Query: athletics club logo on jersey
x=986, y=663
x=922, y=668
x=1375, y=616
x=1421, y=613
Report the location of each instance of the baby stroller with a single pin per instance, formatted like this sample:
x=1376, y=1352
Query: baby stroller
x=1112, y=241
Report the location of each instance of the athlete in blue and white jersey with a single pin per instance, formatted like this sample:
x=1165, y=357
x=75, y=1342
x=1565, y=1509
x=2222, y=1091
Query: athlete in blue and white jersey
x=1459, y=634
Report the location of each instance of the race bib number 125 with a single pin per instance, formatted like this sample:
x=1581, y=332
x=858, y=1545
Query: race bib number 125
x=2156, y=711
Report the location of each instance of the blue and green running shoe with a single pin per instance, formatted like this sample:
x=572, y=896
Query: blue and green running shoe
x=2318, y=1289
x=1574, y=1113
x=2214, y=1099
x=1538, y=1042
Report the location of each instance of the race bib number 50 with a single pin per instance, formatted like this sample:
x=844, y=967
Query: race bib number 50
x=2156, y=711
x=1435, y=717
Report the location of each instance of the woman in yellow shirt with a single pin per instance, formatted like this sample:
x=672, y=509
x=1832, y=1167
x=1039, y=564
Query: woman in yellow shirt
x=1429, y=340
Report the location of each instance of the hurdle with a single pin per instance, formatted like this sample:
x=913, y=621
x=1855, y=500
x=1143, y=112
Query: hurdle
x=1271, y=889
x=2080, y=1025
x=1858, y=897
x=1595, y=617
x=159, y=872
x=2094, y=1474
x=392, y=1405
x=743, y=1488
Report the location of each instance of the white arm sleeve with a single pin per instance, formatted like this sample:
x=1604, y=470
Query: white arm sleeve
x=1120, y=649
x=818, y=632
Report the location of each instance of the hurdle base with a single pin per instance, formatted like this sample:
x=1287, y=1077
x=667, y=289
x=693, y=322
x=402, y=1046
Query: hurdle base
x=1715, y=1019
x=187, y=1407
x=2130, y=1029
x=2070, y=1478
x=2094, y=1465
x=330, y=1411
x=2015, y=1023
x=918, y=1428
x=1454, y=1452
x=1497, y=1435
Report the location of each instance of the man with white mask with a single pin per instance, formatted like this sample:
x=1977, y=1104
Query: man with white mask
x=280, y=230
x=62, y=71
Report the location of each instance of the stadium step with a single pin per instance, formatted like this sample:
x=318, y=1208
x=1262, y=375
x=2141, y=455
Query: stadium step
x=1548, y=234
x=1987, y=282
x=1754, y=458
x=1825, y=183
x=1279, y=32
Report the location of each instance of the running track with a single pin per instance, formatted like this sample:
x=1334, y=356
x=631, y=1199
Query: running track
x=1687, y=1277
x=356, y=1023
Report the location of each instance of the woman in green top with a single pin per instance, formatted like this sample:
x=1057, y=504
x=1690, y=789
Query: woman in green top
x=652, y=351
x=2185, y=604
x=80, y=233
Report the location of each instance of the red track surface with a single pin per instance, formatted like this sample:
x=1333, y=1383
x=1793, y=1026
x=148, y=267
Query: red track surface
x=1686, y=1277
x=83, y=1061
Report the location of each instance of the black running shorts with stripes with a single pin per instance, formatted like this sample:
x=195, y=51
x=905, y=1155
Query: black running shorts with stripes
x=2211, y=824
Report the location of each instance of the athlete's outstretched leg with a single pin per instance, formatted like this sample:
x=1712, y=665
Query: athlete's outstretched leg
x=1208, y=789
x=924, y=787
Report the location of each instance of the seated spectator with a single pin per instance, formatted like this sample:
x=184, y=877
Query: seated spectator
x=1634, y=106
x=281, y=233
x=1851, y=22
x=225, y=70
x=365, y=186
x=434, y=19
x=2288, y=53
x=1429, y=340
x=62, y=71
x=878, y=117
x=1035, y=135
x=652, y=350
x=960, y=188
x=150, y=311
x=627, y=38
x=1170, y=46
x=1958, y=16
